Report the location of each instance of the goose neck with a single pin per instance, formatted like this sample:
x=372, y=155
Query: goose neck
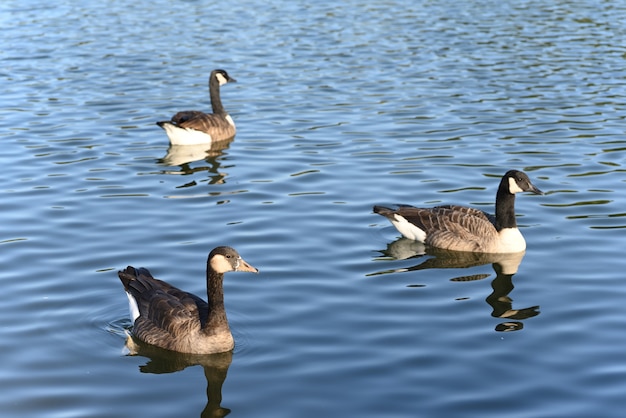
x=214, y=92
x=505, y=208
x=216, y=316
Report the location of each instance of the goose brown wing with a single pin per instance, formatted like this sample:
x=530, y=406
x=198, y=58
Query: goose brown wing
x=164, y=309
x=447, y=217
x=214, y=124
x=471, y=212
x=185, y=115
x=452, y=227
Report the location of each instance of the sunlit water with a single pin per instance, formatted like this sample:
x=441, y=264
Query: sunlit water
x=339, y=106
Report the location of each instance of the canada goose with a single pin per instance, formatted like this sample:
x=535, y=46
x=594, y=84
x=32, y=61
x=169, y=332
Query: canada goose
x=192, y=127
x=170, y=318
x=461, y=228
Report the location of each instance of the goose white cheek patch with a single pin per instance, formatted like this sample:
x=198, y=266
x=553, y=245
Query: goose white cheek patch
x=513, y=186
x=221, y=79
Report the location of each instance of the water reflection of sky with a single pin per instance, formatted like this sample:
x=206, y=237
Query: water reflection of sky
x=338, y=107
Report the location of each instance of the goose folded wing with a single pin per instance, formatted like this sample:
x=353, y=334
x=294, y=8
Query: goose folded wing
x=186, y=115
x=164, y=306
x=448, y=226
x=216, y=124
x=466, y=222
x=174, y=312
x=470, y=212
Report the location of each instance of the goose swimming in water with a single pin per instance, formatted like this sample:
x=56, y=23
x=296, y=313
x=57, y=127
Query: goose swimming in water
x=192, y=127
x=462, y=228
x=173, y=319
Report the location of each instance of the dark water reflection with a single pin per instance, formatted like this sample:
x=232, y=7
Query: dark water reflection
x=215, y=367
x=182, y=156
x=504, y=265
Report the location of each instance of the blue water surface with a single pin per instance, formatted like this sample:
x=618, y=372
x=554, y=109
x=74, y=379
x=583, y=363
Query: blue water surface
x=339, y=106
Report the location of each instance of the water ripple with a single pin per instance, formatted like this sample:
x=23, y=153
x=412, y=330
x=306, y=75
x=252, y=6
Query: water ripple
x=338, y=107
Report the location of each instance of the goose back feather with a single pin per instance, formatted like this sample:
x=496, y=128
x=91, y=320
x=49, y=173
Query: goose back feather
x=462, y=228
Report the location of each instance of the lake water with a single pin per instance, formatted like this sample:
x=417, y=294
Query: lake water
x=339, y=106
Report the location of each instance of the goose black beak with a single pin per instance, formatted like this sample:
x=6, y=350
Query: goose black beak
x=535, y=190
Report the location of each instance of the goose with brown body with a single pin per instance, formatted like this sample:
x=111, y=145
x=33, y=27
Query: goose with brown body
x=193, y=127
x=461, y=228
x=173, y=319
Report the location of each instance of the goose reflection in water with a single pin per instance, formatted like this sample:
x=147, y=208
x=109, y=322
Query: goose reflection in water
x=183, y=155
x=164, y=361
x=504, y=265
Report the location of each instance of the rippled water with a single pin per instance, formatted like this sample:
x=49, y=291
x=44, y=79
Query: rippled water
x=338, y=107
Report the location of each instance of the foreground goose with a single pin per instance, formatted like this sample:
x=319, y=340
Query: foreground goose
x=192, y=127
x=170, y=318
x=461, y=228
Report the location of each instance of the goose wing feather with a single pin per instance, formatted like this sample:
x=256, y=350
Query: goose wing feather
x=216, y=125
x=185, y=115
x=165, y=311
x=471, y=212
x=452, y=227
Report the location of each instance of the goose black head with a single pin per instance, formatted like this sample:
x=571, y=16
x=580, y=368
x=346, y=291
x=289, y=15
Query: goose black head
x=518, y=182
x=222, y=77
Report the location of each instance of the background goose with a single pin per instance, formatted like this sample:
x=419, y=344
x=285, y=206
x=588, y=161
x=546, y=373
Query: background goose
x=170, y=318
x=191, y=127
x=461, y=228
